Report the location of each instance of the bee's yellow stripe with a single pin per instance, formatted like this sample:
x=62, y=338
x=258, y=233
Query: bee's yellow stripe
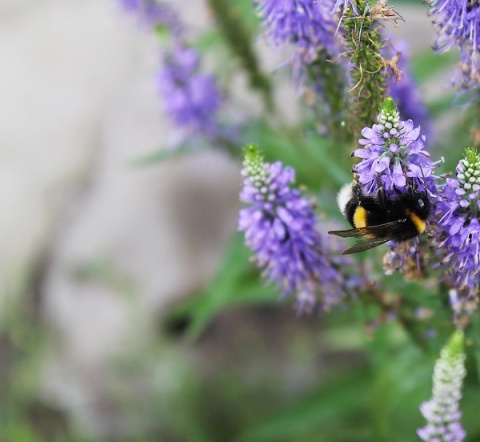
x=360, y=217
x=420, y=224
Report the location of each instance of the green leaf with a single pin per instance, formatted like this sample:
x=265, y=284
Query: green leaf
x=313, y=157
x=163, y=154
x=337, y=171
x=428, y=64
x=208, y=41
x=323, y=409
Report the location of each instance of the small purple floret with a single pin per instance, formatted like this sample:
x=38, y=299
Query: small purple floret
x=190, y=98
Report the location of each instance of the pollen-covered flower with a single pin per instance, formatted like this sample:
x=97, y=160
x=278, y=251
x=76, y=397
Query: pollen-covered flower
x=393, y=153
x=280, y=228
x=306, y=24
x=442, y=410
x=458, y=220
x=410, y=258
x=191, y=98
x=458, y=23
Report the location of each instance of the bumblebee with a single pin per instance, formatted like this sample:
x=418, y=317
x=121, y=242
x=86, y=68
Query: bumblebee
x=377, y=219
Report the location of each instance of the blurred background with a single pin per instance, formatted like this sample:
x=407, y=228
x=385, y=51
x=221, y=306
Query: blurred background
x=104, y=264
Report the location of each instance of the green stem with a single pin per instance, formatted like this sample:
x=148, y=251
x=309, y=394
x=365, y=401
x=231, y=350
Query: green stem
x=330, y=109
x=239, y=40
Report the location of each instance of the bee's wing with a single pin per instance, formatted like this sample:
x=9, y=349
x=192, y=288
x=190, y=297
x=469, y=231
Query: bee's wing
x=378, y=235
x=366, y=244
x=350, y=233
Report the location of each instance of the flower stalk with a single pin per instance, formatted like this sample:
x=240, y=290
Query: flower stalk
x=364, y=43
x=442, y=411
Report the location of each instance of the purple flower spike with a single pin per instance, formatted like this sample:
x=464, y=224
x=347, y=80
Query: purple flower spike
x=190, y=98
x=442, y=410
x=393, y=154
x=458, y=231
x=280, y=228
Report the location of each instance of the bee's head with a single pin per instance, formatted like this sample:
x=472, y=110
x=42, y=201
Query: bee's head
x=418, y=200
x=421, y=204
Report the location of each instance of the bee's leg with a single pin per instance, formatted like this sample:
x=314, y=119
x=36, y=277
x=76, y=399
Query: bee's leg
x=359, y=199
x=398, y=192
x=357, y=192
x=381, y=195
x=411, y=186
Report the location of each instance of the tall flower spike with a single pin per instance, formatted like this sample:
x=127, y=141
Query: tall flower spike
x=190, y=98
x=393, y=153
x=310, y=29
x=458, y=234
x=442, y=410
x=458, y=24
x=280, y=228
